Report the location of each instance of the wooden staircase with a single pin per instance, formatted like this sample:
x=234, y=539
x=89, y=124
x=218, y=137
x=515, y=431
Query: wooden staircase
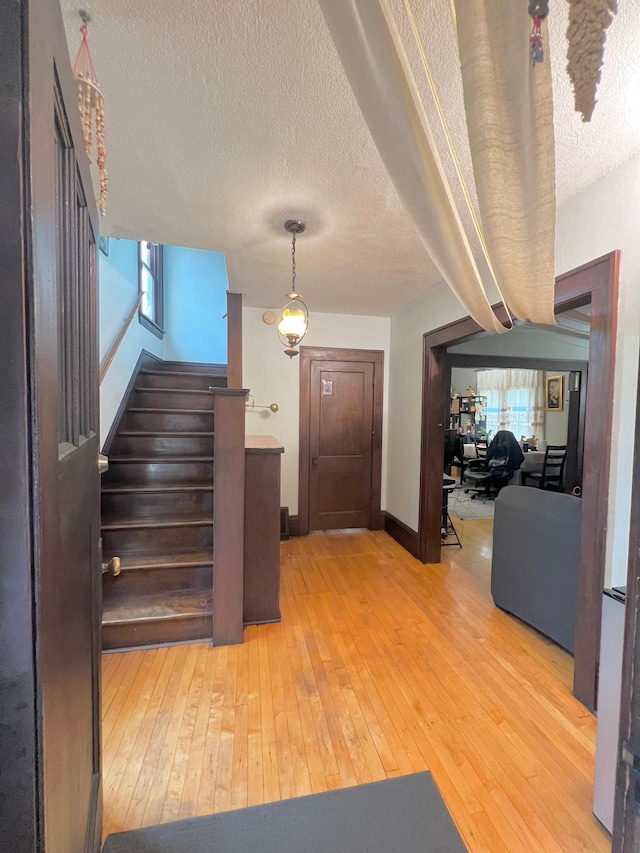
x=157, y=510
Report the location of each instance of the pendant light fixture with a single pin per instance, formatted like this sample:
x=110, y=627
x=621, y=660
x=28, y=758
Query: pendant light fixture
x=294, y=318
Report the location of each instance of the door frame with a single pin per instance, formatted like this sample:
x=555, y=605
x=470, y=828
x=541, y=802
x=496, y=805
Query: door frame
x=595, y=282
x=30, y=550
x=307, y=356
x=548, y=365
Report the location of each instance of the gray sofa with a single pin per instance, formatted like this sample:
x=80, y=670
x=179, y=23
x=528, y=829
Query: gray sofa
x=536, y=550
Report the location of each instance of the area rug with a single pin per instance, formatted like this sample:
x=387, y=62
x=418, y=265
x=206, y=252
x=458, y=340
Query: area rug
x=461, y=506
x=402, y=815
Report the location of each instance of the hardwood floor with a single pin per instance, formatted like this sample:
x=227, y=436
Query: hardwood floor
x=380, y=667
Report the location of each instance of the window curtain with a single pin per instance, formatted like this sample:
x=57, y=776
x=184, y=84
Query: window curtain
x=515, y=401
x=510, y=118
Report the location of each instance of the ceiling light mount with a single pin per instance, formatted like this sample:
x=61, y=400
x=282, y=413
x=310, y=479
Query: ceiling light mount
x=294, y=318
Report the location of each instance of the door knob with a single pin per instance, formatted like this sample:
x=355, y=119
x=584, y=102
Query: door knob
x=314, y=461
x=103, y=463
x=112, y=567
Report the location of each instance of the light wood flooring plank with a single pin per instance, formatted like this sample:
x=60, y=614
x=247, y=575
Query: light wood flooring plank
x=380, y=667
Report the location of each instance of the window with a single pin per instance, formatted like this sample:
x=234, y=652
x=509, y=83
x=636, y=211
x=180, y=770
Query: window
x=151, y=310
x=515, y=401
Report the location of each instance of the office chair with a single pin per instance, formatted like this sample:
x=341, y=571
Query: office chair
x=502, y=459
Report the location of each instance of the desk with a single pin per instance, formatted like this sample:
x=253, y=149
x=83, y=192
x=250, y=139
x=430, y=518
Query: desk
x=533, y=464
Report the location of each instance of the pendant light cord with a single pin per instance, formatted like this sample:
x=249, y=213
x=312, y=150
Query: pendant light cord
x=293, y=263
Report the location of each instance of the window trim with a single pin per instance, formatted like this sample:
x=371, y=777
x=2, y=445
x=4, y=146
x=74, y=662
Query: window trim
x=156, y=271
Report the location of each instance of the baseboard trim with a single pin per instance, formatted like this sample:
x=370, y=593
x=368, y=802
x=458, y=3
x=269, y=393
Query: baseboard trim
x=402, y=533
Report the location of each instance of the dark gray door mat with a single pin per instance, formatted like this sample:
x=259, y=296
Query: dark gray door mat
x=402, y=815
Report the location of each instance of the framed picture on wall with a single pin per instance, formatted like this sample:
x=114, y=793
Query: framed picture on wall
x=553, y=388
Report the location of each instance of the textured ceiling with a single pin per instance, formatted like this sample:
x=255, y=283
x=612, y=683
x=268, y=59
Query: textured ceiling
x=224, y=119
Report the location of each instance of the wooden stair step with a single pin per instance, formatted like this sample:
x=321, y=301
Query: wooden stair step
x=158, y=471
x=171, y=411
x=147, y=370
x=186, y=559
x=190, y=391
x=157, y=502
x=160, y=524
x=164, y=433
x=173, y=398
x=157, y=575
x=179, y=379
x=159, y=606
x=157, y=618
x=120, y=460
x=163, y=446
x=176, y=420
x=155, y=540
x=172, y=487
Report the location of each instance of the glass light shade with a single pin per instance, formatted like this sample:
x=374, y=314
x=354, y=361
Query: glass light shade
x=293, y=322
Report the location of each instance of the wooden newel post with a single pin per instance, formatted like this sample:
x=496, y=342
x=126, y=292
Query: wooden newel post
x=228, y=515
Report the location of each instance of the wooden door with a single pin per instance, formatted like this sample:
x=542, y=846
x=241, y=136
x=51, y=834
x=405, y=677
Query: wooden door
x=49, y=523
x=340, y=455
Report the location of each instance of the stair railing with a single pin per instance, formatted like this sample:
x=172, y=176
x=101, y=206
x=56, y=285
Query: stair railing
x=113, y=349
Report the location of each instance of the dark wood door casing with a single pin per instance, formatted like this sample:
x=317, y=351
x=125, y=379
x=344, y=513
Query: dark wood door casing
x=596, y=283
x=49, y=523
x=314, y=359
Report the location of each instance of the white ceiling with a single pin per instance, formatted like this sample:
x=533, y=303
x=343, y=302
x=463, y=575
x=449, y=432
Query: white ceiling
x=225, y=118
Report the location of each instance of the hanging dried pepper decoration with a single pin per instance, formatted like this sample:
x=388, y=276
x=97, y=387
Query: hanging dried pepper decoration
x=91, y=105
x=538, y=9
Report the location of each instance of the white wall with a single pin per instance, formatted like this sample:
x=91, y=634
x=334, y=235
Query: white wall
x=463, y=378
x=604, y=217
x=528, y=342
x=438, y=308
x=118, y=290
x=195, y=301
x=274, y=378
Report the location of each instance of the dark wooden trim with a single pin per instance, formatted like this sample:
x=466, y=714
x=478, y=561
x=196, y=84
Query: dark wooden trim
x=156, y=269
x=19, y=728
x=145, y=359
x=596, y=283
x=93, y=840
x=228, y=515
x=150, y=325
x=402, y=533
x=234, y=340
x=595, y=478
x=261, y=594
x=294, y=529
x=307, y=356
x=520, y=362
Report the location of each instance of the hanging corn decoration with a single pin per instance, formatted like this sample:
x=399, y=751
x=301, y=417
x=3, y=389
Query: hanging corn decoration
x=91, y=104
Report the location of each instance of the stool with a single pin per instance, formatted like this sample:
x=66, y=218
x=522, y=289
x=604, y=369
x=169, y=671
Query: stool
x=447, y=528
